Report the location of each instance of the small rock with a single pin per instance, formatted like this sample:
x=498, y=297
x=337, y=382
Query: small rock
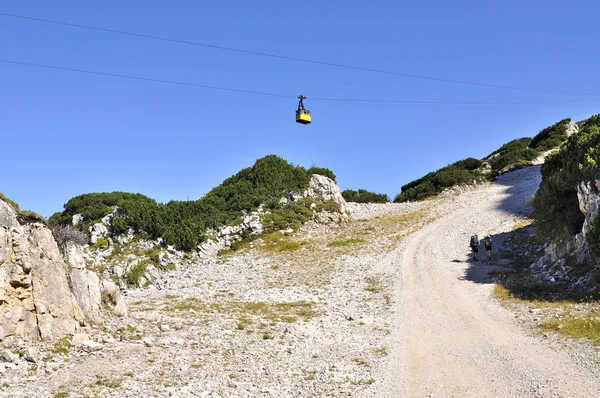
x=147, y=342
x=165, y=328
x=92, y=346
x=8, y=356
x=30, y=355
x=79, y=339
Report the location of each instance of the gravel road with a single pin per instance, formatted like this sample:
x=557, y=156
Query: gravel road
x=450, y=337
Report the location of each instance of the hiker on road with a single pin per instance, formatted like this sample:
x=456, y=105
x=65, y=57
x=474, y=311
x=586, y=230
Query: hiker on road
x=474, y=246
x=488, y=246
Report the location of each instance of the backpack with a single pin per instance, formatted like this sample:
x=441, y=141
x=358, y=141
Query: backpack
x=488, y=242
x=474, y=240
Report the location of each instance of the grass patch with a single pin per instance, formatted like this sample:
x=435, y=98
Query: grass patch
x=278, y=243
x=61, y=346
x=522, y=224
x=360, y=362
x=374, y=285
x=586, y=326
x=346, y=242
x=136, y=273
x=382, y=352
x=108, y=382
x=12, y=204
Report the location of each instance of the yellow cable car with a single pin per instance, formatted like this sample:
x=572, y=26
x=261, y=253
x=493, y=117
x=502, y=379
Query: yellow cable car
x=302, y=115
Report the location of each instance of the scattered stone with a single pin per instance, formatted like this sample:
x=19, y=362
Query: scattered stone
x=79, y=338
x=30, y=355
x=92, y=346
x=147, y=342
x=8, y=356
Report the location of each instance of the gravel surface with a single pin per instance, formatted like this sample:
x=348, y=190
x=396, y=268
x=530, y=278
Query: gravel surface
x=450, y=337
x=384, y=306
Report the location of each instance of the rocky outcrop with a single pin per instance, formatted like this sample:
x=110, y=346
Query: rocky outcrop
x=41, y=295
x=572, y=128
x=324, y=188
x=562, y=259
x=225, y=236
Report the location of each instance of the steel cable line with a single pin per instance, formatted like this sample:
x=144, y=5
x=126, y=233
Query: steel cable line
x=289, y=58
x=150, y=79
x=407, y=103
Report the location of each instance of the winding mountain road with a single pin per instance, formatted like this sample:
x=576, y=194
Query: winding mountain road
x=450, y=337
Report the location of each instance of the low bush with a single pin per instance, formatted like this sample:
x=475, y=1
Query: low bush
x=593, y=237
x=184, y=223
x=66, y=233
x=462, y=172
x=321, y=171
x=29, y=216
x=137, y=272
x=555, y=204
x=364, y=196
x=511, y=153
x=550, y=137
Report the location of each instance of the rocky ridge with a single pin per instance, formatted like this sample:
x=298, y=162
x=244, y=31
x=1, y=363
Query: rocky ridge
x=45, y=292
x=561, y=260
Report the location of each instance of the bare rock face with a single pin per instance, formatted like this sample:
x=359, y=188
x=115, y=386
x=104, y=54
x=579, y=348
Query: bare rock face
x=589, y=198
x=325, y=188
x=35, y=299
x=572, y=128
x=41, y=295
x=554, y=265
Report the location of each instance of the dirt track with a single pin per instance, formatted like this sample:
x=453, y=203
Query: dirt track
x=450, y=337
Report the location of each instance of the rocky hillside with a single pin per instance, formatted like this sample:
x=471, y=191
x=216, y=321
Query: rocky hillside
x=47, y=291
x=566, y=213
x=510, y=156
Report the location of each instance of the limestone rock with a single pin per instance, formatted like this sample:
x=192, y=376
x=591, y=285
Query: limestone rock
x=30, y=355
x=98, y=231
x=42, y=295
x=92, y=346
x=321, y=187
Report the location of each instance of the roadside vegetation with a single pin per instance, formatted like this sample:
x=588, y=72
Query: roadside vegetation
x=184, y=223
x=461, y=172
x=514, y=154
x=364, y=196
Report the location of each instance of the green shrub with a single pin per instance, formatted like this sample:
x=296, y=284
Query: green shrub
x=184, y=223
x=328, y=205
x=513, y=152
x=30, y=216
x=461, y=172
x=101, y=243
x=555, y=204
x=118, y=226
x=10, y=202
x=136, y=273
x=550, y=137
x=593, y=236
x=321, y=171
x=364, y=196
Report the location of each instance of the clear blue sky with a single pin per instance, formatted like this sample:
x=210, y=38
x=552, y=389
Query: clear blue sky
x=64, y=133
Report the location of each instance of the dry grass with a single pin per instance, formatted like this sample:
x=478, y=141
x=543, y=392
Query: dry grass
x=522, y=224
x=274, y=313
x=346, y=242
x=586, y=326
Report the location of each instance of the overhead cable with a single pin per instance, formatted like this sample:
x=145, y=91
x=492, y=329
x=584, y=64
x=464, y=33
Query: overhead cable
x=290, y=58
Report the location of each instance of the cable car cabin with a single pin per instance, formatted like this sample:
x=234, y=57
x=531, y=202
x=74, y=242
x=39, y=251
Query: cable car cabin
x=303, y=116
